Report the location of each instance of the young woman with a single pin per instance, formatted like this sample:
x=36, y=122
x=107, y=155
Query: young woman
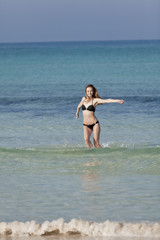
x=90, y=122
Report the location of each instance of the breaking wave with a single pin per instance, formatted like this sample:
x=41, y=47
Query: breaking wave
x=80, y=227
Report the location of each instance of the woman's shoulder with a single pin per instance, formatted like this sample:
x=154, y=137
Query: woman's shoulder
x=96, y=101
x=83, y=98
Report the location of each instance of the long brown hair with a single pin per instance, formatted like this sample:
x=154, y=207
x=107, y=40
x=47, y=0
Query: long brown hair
x=95, y=92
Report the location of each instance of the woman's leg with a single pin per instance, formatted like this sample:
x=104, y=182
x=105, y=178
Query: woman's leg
x=87, y=134
x=96, y=135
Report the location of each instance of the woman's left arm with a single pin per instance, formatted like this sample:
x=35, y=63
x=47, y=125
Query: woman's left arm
x=101, y=101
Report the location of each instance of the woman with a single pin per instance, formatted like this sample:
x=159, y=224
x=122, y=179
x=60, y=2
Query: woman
x=90, y=122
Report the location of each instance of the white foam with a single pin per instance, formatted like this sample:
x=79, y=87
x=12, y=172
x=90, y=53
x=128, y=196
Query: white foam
x=80, y=227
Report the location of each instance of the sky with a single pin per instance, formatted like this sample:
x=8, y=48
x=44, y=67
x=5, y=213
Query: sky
x=78, y=20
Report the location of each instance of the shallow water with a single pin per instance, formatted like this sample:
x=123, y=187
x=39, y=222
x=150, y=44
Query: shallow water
x=46, y=172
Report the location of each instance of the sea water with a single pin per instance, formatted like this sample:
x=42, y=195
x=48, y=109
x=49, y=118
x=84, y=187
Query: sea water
x=50, y=183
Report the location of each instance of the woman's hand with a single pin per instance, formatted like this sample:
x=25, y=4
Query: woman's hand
x=121, y=101
x=77, y=115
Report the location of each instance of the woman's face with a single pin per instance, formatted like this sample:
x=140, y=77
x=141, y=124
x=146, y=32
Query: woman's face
x=89, y=92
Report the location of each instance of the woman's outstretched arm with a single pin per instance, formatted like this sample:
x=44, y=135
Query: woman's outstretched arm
x=101, y=101
x=79, y=107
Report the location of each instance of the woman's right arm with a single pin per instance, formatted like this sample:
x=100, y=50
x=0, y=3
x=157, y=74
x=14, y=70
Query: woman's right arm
x=79, y=107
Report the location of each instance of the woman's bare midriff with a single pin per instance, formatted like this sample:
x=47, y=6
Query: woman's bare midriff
x=89, y=117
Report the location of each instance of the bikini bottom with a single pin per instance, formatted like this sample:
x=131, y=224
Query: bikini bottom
x=91, y=126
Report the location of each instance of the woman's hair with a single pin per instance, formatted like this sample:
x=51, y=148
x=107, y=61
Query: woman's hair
x=95, y=92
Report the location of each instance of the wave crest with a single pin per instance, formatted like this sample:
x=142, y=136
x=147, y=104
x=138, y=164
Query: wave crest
x=80, y=227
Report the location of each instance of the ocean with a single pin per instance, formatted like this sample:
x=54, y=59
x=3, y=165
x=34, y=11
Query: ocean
x=51, y=185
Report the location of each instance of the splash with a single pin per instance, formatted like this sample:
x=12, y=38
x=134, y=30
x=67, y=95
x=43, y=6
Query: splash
x=80, y=227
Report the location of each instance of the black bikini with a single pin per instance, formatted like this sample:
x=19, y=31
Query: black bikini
x=92, y=109
x=91, y=125
x=89, y=108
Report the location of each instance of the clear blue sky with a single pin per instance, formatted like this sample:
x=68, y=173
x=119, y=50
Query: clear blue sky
x=77, y=20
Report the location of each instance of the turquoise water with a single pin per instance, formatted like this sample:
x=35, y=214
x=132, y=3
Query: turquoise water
x=46, y=172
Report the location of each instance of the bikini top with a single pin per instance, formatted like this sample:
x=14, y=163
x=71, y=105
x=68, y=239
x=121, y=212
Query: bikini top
x=89, y=108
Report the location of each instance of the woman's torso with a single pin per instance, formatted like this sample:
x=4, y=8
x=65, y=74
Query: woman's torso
x=88, y=109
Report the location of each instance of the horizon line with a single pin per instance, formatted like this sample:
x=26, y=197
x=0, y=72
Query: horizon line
x=77, y=41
